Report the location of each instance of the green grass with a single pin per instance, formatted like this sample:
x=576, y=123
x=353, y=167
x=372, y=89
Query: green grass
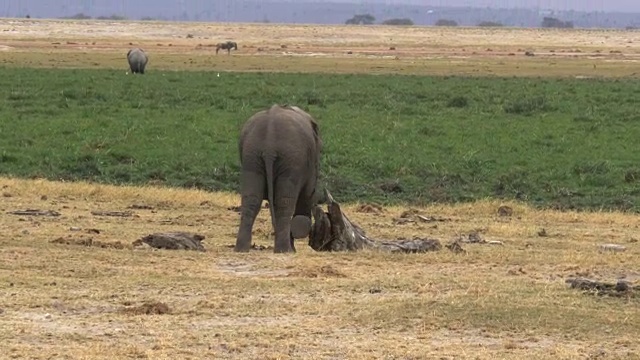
x=564, y=143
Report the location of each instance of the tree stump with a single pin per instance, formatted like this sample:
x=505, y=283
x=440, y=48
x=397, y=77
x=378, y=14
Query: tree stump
x=333, y=231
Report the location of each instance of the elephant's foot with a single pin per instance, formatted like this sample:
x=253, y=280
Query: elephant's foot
x=243, y=244
x=284, y=247
x=241, y=249
x=283, y=250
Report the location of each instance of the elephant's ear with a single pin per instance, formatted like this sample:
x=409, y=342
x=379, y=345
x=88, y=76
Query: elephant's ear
x=129, y=52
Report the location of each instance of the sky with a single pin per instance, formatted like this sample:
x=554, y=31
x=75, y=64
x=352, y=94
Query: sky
x=580, y=5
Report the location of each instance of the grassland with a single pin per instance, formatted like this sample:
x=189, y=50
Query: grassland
x=506, y=302
x=73, y=287
x=321, y=48
x=563, y=143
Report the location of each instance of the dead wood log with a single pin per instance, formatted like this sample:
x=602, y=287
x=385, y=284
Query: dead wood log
x=35, y=212
x=619, y=289
x=173, y=241
x=333, y=231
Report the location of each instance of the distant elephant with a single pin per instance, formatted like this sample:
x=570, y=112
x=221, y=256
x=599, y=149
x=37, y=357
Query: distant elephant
x=280, y=159
x=138, y=60
x=226, y=46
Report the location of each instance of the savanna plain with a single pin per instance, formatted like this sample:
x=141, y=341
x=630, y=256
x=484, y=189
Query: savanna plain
x=450, y=124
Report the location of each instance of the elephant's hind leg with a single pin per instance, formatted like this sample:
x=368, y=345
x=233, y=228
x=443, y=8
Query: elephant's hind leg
x=284, y=207
x=252, y=196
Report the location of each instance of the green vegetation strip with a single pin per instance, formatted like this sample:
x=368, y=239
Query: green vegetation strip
x=562, y=143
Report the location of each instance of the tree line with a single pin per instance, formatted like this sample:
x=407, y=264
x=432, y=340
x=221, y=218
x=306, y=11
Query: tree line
x=368, y=19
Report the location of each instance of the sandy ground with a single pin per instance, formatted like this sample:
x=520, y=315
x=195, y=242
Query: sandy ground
x=273, y=47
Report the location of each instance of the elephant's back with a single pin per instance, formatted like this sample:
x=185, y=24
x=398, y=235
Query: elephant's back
x=279, y=131
x=137, y=55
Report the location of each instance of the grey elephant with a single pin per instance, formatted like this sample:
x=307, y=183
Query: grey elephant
x=280, y=150
x=226, y=46
x=138, y=60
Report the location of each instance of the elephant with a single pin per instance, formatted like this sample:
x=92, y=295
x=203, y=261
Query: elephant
x=226, y=46
x=280, y=150
x=137, y=60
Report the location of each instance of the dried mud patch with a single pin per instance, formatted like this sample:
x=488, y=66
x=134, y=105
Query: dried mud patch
x=89, y=242
x=325, y=271
x=147, y=308
x=250, y=270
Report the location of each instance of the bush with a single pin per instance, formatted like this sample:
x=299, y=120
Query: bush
x=362, y=19
x=489, y=24
x=549, y=22
x=446, y=22
x=403, y=21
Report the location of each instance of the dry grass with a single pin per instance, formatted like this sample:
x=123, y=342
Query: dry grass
x=84, y=302
x=318, y=48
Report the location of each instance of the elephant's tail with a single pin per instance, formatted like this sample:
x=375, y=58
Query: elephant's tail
x=268, y=165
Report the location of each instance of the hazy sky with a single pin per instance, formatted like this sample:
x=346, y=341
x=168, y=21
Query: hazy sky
x=584, y=5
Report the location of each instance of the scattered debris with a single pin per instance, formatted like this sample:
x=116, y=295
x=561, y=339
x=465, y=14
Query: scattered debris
x=6, y=194
x=473, y=238
x=140, y=207
x=88, y=242
x=255, y=247
x=392, y=48
x=234, y=208
x=505, y=211
x=35, y=212
x=370, y=208
x=415, y=245
x=542, y=233
x=189, y=36
x=112, y=213
x=619, y=289
x=325, y=271
x=455, y=247
x=413, y=215
x=612, y=247
x=495, y=242
x=375, y=290
x=148, y=308
x=529, y=53
x=431, y=218
x=173, y=241
x=518, y=271
x=89, y=231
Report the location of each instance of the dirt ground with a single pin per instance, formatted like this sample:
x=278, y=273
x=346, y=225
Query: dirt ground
x=72, y=285
x=316, y=48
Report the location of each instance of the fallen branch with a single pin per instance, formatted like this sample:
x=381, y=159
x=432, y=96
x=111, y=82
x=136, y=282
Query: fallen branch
x=333, y=231
x=112, y=213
